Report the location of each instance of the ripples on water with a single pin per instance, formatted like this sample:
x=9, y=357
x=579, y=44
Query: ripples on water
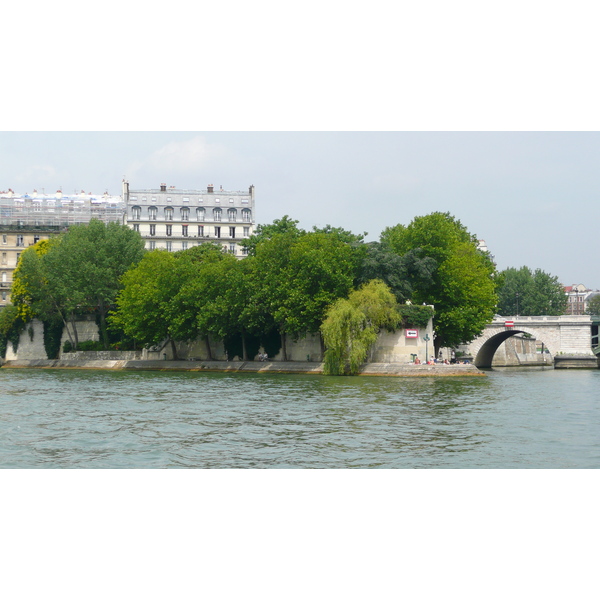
x=101, y=419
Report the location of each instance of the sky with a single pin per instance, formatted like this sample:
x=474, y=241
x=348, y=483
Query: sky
x=532, y=196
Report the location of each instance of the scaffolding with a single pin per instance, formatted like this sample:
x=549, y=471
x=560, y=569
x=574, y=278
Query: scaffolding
x=57, y=211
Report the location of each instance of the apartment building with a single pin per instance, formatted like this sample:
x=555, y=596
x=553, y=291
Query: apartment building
x=176, y=219
x=578, y=297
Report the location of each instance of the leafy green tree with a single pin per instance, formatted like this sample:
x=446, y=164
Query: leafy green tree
x=526, y=292
x=214, y=301
x=11, y=326
x=296, y=277
x=37, y=294
x=284, y=226
x=352, y=325
x=462, y=287
x=593, y=305
x=87, y=265
x=403, y=274
x=144, y=302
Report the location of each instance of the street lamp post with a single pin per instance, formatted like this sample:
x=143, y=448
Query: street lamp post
x=426, y=338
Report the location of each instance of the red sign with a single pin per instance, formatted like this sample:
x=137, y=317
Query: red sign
x=412, y=333
x=509, y=323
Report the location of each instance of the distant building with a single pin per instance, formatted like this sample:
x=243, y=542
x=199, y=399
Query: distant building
x=578, y=297
x=174, y=219
x=26, y=219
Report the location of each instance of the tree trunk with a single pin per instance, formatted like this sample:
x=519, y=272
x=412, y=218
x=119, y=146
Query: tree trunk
x=208, y=350
x=244, y=350
x=283, y=348
x=174, y=349
x=103, y=332
x=322, y=342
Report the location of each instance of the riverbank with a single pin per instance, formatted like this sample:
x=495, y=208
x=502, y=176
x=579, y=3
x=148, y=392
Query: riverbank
x=303, y=368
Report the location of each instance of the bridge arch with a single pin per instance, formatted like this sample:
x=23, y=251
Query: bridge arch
x=484, y=348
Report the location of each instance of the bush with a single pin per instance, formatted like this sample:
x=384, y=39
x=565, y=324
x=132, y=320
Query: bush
x=414, y=315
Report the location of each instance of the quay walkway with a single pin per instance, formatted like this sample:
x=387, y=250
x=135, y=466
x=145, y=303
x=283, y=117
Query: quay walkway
x=303, y=368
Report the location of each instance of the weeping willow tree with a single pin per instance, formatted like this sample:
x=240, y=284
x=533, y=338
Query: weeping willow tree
x=352, y=325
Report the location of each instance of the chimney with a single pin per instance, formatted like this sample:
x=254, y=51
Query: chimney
x=210, y=188
x=163, y=187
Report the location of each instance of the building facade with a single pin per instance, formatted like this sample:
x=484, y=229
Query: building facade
x=28, y=218
x=578, y=297
x=175, y=219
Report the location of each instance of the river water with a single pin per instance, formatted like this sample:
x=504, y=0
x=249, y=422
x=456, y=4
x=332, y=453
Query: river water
x=512, y=418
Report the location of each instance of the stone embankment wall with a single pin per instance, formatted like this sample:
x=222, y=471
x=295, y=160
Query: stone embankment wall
x=518, y=350
x=391, y=348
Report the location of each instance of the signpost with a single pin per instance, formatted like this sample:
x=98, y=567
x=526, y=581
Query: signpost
x=426, y=338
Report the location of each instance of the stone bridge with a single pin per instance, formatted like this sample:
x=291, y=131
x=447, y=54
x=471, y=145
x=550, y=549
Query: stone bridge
x=564, y=336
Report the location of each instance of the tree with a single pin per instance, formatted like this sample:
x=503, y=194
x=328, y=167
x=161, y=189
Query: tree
x=352, y=325
x=296, y=277
x=37, y=294
x=283, y=226
x=402, y=273
x=157, y=302
x=88, y=263
x=526, y=292
x=143, y=303
x=593, y=305
x=462, y=286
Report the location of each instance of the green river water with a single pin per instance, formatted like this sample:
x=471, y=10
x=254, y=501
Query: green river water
x=512, y=418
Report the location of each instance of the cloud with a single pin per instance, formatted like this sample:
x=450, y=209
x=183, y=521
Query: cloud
x=187, y=156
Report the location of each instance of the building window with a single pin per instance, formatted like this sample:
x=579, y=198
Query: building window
x=200, y=214
x=246, y=231
x=230, y=200
x=200, y=230
x=169, y=246
x=18, y=257
x=184, y=245
x=169, y=229
x=185, y=214
x=152, y=229
x=168, y=214
x=186, y=199
x=136, y=211
x=217, y=232
x=4, y=238
x=4, y=258
x=232, y=248
x=152, y=212
x=232, y=232
x=184, y=230
x=217, y=214
x=168, y=199
x=152, y=245
x=246, y=215
x=217, y=200
x=244, y=251
x=20, y=241
x=136, y=227
x=232, y=214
